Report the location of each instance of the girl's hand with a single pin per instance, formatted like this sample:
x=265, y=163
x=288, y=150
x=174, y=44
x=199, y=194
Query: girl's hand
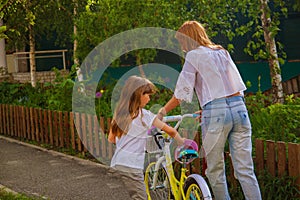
x=179, y=139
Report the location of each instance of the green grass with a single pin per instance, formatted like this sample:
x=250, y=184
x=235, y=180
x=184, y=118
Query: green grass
x=5, y=195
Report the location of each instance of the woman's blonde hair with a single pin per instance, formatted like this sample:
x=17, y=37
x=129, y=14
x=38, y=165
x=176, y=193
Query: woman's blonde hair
x=128, y=107
x=192, y=34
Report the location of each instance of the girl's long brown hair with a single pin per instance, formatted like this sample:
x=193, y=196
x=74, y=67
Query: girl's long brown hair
x=128, y=107
x=192, y=34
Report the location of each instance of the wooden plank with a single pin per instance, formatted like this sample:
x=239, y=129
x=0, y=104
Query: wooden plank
x=36, y=119
x=15, y=122
x=284, y=86
x=9, y=120
x=46, y=126
x=96, y=131
x=295, y=85
x=90, y=134
x=271, y=157
x=28, y=123
x=1, y=119
x=78, y=128
x=20, y=122
x=23, y=111
x=55, y=129
x=289, y=87
x=32, y=123
x=259, y=156
x=84, y=131
x=72, y=130
x=102, y=137
x=67, y=129
x=51, y=139
x=294, y=161
x=42, y=128
x=281, y=158
x=61, y=130
x=110, y=145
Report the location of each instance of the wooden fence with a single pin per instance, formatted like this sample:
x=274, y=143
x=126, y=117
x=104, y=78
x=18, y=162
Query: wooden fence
x=83, y=132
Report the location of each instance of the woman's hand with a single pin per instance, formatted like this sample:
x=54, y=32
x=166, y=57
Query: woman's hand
x=161, y=113
x=199, y=112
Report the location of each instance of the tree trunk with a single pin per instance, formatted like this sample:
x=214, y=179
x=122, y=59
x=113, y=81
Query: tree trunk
x=275, y=71
x=32, y=56
x=3, y=65
x=76, y=60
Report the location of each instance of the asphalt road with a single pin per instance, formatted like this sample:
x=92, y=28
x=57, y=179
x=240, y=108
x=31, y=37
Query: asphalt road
x=38, y=172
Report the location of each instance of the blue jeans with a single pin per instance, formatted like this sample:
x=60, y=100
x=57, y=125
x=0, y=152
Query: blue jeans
x=222, y=119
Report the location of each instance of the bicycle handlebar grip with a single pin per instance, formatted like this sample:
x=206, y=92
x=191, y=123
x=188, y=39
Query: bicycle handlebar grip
x=195, y=115
x=173, y=118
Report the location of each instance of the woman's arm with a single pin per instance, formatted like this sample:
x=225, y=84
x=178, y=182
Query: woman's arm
x=172, y=103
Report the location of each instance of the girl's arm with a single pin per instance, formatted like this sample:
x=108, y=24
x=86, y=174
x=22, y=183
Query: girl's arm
x=111, y=137
x=169, y=130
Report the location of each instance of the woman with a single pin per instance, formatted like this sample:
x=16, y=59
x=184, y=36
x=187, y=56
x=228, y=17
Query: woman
x=210, y=71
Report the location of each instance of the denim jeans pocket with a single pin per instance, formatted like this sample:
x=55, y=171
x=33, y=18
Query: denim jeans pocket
x=212, y=122
x=244, y=119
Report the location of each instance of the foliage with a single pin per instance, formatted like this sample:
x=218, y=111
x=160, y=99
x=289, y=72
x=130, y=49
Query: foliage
x=279, y=122
x=278, y=188
x=104, y=19
x=53, y=96
x=272, y=188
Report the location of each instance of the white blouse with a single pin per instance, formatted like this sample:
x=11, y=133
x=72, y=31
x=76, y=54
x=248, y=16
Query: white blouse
x=212, y=74
x=130, y=148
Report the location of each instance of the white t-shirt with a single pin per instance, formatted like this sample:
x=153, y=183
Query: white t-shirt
x=212, y=74
x=130, y=148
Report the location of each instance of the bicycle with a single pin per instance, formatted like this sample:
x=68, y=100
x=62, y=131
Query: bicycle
x=160, y=180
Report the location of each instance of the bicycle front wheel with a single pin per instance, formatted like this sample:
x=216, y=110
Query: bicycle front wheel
x=157, y=183
x=195, y=189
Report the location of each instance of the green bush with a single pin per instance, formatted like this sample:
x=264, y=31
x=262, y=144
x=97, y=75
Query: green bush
x=278, y=122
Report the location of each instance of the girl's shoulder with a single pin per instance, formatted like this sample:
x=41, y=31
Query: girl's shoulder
x=146, y=112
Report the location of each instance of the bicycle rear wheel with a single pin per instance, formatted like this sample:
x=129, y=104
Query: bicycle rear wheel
x=196, y=190
x=157, y=183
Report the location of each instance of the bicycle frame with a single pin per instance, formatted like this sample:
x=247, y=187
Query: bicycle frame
x=166, y=161
x=178, y=187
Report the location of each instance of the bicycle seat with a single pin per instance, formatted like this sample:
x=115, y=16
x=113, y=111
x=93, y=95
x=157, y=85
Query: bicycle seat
x=187, y=155
x=187, y=152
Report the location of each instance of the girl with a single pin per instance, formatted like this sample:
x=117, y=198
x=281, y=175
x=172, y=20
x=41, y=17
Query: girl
x=129, y=132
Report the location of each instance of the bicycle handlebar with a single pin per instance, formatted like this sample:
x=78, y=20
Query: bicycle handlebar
x=179, y=118
x=174, y=118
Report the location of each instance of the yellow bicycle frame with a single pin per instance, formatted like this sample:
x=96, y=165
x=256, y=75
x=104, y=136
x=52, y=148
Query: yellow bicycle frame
x=176, y=185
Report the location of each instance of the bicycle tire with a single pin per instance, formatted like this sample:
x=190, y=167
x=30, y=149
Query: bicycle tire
x=194, y=190
x=162, y=189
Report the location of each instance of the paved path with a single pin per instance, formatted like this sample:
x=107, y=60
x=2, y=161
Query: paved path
x=35, y=171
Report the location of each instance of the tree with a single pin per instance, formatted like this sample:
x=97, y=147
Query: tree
x=27, y=20
x=106, y=18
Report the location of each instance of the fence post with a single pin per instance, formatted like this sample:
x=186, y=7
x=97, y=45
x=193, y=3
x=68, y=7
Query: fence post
x=259, y=155
x=271, y=157
x=294, y=161
x=96, y=131
x=72, y=129
x=281, y=158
